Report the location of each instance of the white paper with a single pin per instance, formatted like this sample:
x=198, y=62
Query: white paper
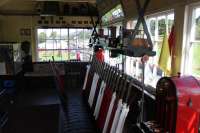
x=122, y=119
x=99, y=100
x=117, y=117
x=93, y=89
x=86, y=77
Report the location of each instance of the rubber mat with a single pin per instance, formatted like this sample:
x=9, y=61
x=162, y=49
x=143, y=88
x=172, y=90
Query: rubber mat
x=78, y=117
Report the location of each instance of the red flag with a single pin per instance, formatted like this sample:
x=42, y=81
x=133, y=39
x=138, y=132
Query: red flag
x=171, y=40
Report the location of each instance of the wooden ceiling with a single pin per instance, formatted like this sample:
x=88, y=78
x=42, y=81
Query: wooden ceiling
x=29, y=6
x=3, y=2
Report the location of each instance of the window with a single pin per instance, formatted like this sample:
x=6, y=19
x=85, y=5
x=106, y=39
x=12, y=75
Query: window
x=131, y=24
x=158, y=25
x=63, y=44
x=113, y=14
x=193, y=47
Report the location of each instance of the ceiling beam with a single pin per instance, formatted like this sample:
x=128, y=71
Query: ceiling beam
x=2, y=2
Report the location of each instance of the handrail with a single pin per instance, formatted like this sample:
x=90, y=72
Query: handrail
x=57, y=80
x=2, y=92
x=3, y=119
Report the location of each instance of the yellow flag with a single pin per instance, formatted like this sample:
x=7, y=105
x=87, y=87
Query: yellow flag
x=165, y=58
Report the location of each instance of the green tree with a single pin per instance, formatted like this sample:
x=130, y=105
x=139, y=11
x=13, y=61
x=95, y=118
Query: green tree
x=161, y=27
x=42, y=37
x=197, y=35
x=53, y=35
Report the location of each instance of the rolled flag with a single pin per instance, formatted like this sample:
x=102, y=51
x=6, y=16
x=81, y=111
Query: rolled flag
x=93, y=89
x=122, y=119
x=99, y=99
x=86, y=76
x=109, y=112
x=117, y=117
x=165, y=57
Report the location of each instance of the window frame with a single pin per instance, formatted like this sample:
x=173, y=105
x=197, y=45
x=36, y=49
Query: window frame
x=37, y=49
x=189, y=36
x=136, y=72
x=155, y=38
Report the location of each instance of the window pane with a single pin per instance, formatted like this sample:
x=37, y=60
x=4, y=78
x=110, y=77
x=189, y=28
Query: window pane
x=170, y=19
x=72, y=38
x=55, y=34
x=65, y=55
x=64, y=34
x=195, y=59
x=197, y=24
x=72, y=55
x=57, y=55
x=152, y=25
x=88, y=33
x=57, y=44
x=41, y=36
x=80, y=38
x=85, y=54
x=45, y=55
x=64, y=44
x=161, y=27
x=49, y=33
x=50, y=44
x=41, y=55
x=42, y=45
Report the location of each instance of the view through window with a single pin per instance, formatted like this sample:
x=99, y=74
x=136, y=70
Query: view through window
x=158, y=25
x=194, y=45
x=63, y=44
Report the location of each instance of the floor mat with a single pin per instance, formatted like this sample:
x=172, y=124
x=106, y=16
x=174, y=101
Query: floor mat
x=78, y=118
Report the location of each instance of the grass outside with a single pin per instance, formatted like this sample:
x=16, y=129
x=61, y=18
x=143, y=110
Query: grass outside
x=196, y=60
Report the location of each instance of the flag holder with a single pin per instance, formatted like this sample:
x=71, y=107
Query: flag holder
x=141, y=47
x=144, y=60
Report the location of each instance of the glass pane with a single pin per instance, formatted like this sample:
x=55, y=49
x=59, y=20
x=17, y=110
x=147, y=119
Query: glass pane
x=41, y=45
x=55, y=34
x=64, y=44
x=80, y=38
x=64, y=34
x=88, y=33
x=197, y=24
x=72, y=39
x=161, y=27
x=85, y=54
x=106, y=31
x=49, y=33
x=195, y=59
x=41, y=55
x=57, y=55
x=50, y=44
x=45, y=55
x=41, y=36
x=65, y=55
x=129, y=24
x=152, y=25
x=170, y=19
x=57, y=44
x=73, y=55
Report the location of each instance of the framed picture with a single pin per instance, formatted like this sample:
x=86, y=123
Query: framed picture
x=25, y=32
